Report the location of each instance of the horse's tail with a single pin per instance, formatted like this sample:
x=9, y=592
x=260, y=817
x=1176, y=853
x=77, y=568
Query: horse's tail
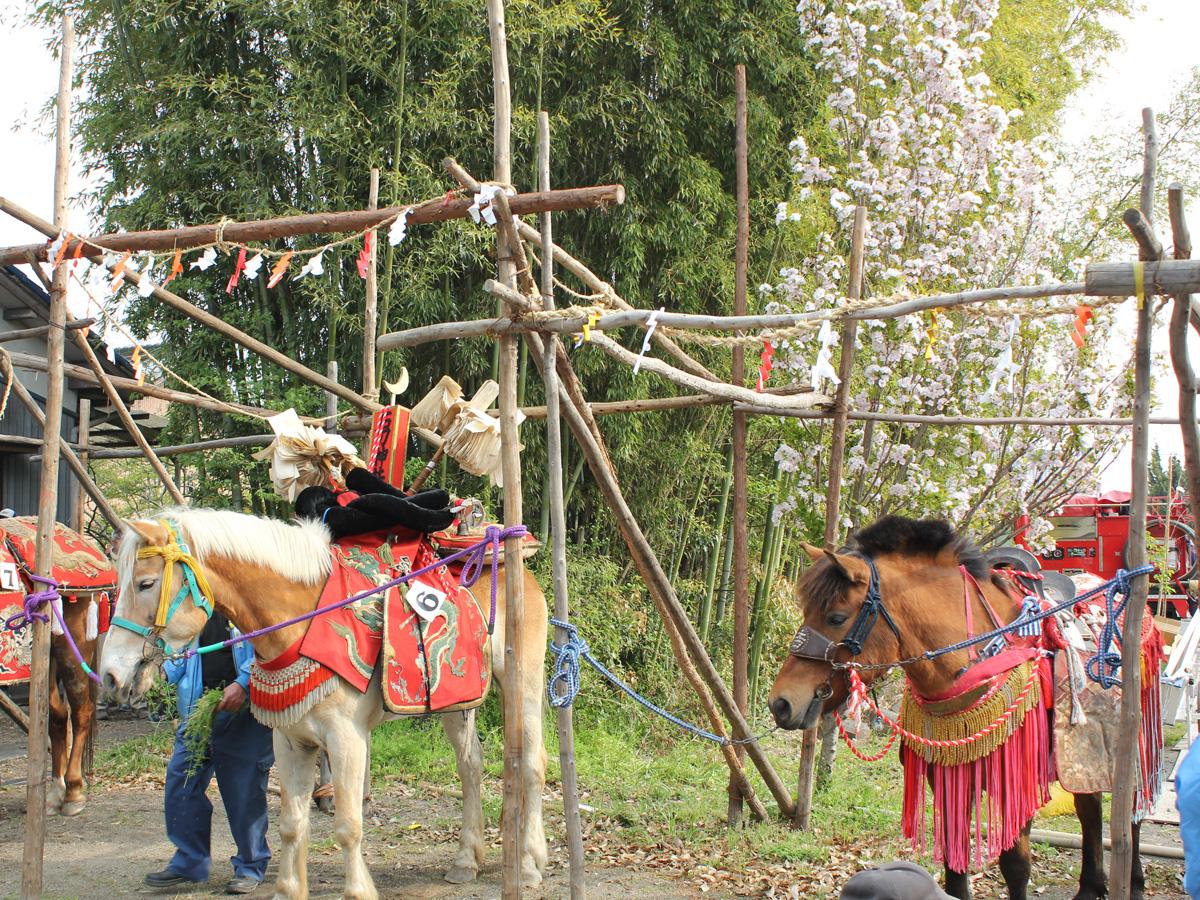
x=89, y=745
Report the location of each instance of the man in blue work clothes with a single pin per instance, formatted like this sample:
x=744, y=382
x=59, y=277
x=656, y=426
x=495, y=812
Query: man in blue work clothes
x=1187, y=800
x=240, y=755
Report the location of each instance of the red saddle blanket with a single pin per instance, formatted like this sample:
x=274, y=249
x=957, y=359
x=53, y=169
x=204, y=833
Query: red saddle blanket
x=432, y=662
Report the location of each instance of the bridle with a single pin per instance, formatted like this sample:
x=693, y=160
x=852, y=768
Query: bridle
x=193, y=584
x=809, y=644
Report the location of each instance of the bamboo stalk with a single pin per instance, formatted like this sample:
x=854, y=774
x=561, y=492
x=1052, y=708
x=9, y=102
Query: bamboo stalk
x=558, y=532
x=439, y=209
x=370, y=384
x=714, y=557
x=1131, y=668
x=737, y=375
x=127, y=420
x=39, y=670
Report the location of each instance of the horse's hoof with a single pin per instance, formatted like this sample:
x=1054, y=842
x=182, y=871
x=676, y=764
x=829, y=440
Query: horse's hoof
x=73, y=807
x=325, y=805
x=462, y=875
x=530, y=877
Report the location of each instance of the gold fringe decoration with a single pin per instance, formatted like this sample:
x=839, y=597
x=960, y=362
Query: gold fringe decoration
x=932, y=724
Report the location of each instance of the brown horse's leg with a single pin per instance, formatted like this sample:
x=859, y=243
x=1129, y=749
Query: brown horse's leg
x=81, y=695
x=1137, y=878
x=1016, y=865
x=958, y=884
x=1093, y=881
x=59, y=713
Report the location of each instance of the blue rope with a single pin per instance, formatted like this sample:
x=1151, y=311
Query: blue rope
x=564, y=685
x=1103, y=666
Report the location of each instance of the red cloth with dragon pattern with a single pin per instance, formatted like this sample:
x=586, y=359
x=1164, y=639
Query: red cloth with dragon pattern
x=80, y=566
x=431, y=666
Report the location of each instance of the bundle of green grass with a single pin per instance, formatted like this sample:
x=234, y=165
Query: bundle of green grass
x=197, y=731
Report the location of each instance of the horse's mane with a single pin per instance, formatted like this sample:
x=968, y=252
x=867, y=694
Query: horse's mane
x=893, y=535
x=299, y=551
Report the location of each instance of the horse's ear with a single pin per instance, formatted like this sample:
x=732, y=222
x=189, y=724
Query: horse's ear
x=153, y=533
x=814, y=553
x=854, y=568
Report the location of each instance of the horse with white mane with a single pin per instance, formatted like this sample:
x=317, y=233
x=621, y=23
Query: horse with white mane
x=260, y=572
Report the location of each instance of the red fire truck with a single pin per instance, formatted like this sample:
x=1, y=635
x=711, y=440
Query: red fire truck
x=1091, y=534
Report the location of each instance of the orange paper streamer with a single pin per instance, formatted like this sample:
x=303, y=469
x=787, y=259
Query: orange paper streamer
x=1083, y=315
x=277, y=272
x=118, y=271
x=176, y=267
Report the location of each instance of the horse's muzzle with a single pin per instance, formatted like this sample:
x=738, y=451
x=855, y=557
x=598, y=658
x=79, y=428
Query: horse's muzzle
x=787, y=719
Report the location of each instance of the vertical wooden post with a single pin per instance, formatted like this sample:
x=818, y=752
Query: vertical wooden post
x=126, y=417
x=1125, y=776
x=1182, y=240
x=514, y=570
x=39, y=674
x=85, y=429
x=558, y=526
x=370, y=383
x=331, y=399
x=833, y=499
x=741, y=570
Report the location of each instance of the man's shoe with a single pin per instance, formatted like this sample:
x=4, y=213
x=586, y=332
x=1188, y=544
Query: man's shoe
x=169, y=878
x=242, y=884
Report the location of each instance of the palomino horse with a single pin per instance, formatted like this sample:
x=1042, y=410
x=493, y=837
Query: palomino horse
x=262, y=572
x=907, y=587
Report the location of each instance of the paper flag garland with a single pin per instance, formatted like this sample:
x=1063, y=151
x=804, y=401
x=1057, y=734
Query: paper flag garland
x=206, y=260
x=651, y=325
x=478, y=211
x=238, y=268
x=250, y=270
x=54, y=252
x=314, y=266
x=364, y=257
x=822, y=369
x=176, y=268
x=765, y=364
x=145, y=285
x=1083, y=315
x=399, y=229
x=118, y=272
x=277, y=272
x=1005, y=366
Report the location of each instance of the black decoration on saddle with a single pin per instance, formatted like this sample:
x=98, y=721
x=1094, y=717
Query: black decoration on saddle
x=371, y=504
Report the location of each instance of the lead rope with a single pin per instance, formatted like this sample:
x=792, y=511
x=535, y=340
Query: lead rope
x=30, y=613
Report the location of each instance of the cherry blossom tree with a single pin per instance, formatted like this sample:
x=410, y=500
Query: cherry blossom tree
x=914, y=133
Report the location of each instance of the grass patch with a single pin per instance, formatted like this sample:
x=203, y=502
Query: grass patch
x=138, y=757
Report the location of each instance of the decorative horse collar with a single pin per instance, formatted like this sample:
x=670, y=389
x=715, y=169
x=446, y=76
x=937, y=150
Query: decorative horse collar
x=811, y=644
x=193, y=584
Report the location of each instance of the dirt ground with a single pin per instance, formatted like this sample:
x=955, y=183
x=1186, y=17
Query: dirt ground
x=411, y=835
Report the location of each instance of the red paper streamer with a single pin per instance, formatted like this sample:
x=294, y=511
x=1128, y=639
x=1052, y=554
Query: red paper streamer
x=765, y=365
x=237, y=271
x=364, y=258
x=1083, y=315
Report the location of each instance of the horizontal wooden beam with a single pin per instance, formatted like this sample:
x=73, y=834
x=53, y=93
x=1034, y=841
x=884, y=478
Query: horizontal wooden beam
x=441, y=209
x=247, y=440
x=916, y=419
x=1168, y=276
x=21, y=334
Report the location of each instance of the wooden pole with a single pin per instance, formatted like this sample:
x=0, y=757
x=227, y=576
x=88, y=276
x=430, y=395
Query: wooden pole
x=77, y=467
x=126, y=419
x=370, y=384
x=438, y=209
x=737, y=375
x=512, y=836
x=558, y=530
x=833, y=499
x=1182, y=240
x=85, y=428
x=39, y=672
x=21, y=334
x=13, y=711
x=245, y=440
x=1124, y=774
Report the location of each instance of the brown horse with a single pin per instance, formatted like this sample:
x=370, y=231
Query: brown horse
x=263, y=572
x=904, y=588
x=73, y=701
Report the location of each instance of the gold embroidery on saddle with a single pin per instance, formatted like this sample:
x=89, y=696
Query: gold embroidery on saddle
x=950, y=720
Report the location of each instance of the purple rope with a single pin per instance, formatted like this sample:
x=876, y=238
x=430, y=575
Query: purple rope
x=20, y=621
x=475, y=555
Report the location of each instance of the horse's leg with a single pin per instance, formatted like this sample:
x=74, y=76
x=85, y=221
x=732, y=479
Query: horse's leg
x=1137, y=878
x=324, y=791
x=533, y=774
x=958, y=884
x=1016, y=865
x=80, y=692
x=1093, y=881
x=346, y=744
x=468, y=753
x=59, y=714
x=294, y=761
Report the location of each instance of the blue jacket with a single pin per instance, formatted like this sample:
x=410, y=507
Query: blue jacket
x=1187, y=799
x=188, y=677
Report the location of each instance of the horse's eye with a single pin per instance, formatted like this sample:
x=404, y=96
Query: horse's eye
x=146, y=583
x=836, y=619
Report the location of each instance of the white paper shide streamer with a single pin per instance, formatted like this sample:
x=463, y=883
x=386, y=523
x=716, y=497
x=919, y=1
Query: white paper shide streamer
x=651, y=324
x=302, y=456
x=1006, y=367
x=822, y=369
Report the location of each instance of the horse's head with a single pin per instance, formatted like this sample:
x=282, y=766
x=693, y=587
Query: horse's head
x=836, y=595
x=163, y=603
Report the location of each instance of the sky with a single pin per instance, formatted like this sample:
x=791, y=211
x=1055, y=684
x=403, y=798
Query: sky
x=1160, y=48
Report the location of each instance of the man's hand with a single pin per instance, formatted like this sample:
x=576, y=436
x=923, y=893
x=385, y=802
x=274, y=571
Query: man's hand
x=232, y=699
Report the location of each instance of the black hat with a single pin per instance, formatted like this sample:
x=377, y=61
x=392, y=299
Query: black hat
x=893, y=881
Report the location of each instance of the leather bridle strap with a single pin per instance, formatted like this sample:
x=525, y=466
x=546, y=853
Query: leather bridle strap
x=810, y=644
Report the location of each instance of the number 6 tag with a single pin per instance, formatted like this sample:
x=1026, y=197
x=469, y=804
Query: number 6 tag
x=425, y=600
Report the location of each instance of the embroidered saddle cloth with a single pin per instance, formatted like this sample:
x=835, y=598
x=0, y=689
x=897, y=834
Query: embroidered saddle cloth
x=1087, y=715
x=429, y=635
